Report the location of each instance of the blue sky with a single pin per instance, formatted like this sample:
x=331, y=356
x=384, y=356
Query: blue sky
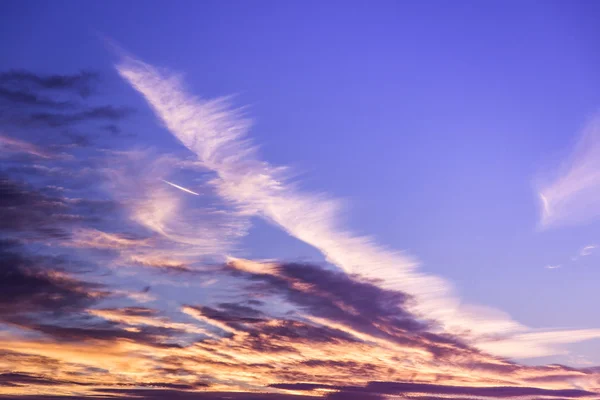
x=436, y=125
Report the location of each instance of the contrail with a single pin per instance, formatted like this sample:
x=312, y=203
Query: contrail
x=180, y=187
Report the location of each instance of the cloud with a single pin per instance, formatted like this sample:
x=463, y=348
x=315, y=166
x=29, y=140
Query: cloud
x=587, y=250
x=182, y=235
x=169, y=394
x=573, y=195
x=33, y=284
x=398, y=388
x=337, y=296
x=537, y=344
x=38, y=293
x=93, y=242
x=80, y=83
x=20, y=88
x=216, y=135
x=54, y=109
x=231, y=313
x=555, y=266
x=103, y=113
x=30, y=99
x=9, y=144
x=249, y=348
x=140, y=316
x=30, y=214
x=93, y=238
x=15, y=378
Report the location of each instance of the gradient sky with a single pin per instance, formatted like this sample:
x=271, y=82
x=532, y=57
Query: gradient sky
x=375, y=199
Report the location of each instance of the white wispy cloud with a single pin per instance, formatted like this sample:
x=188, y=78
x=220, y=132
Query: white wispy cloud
x=555, y=266
x=573, y=196
x=587, y=250
x=180, y=234
x=537, y=343
x=216, y=134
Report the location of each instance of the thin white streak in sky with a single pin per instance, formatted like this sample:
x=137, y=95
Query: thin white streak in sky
x=180, y=187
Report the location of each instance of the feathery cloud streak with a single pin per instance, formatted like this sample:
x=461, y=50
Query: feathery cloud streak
x=216, y=134
x=573, y=196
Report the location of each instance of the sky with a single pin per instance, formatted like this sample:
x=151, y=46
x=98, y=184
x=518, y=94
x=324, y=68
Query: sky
x=298, y=200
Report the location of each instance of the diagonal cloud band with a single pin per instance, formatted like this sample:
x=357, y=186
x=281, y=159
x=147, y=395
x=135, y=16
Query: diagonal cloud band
x=216, y=134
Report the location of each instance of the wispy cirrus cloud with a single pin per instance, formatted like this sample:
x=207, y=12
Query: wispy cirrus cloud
x=216, y=135
x=137, y=178
x=9, y=144
x=553, y=266
x=587, y=250
x=573, y=195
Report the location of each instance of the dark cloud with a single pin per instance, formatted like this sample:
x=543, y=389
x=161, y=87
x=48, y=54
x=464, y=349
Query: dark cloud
x=20, y=88
x=241, y=310
x=78, y=327
x=265, y=333
x=104, y=113
x=10, y=356
x=81, y=83
x=19, y=378
x=299, y=331
x=397, y=388
x=26, y=98
x=358, y=396
x=133, y=311
x=171, y=394
x=116, y=131
x=104, y=330
x=44, y=106
x=356, y=368
x=403, y=388
x=26, y=211
x=339, y=296
x=231, y=315
x=78, y=140
x=37, y=294
x=32, y=214
x=27, y=379
x=32, y=284
x=359, y=304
